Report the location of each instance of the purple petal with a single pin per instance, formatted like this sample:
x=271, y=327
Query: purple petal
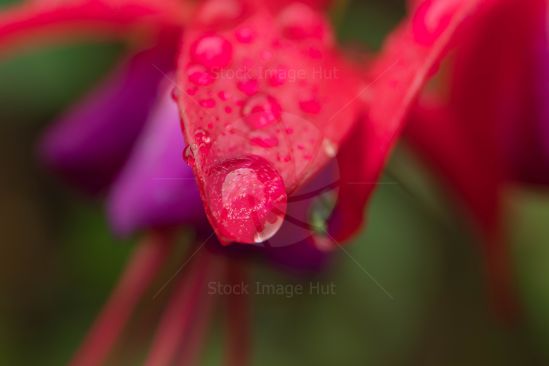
x=156, y=188
x=90, y=144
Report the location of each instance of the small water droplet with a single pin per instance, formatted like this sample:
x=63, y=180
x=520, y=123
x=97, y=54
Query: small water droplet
x=249, y=87
x=311, y=106
x=211, y=51
x=245, y=35
x=261, y=111
x=202, y=141
x=198, y=75
x=223, y=95
x=175, y=94
x=188, y=155
x=329, y=147
x=314, y=53
x=207, y=103
x=264, y=140
x=278, y=76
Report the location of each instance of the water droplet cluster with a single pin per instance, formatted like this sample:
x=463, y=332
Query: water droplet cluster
x=255, y=108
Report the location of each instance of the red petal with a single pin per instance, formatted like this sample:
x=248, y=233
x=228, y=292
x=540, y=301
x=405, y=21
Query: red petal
x=262, y=114
x=409, y=58
x=437, y=135
x=66, y=20
x=497, y=88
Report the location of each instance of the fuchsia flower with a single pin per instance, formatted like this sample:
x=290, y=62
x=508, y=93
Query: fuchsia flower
x=262, y=117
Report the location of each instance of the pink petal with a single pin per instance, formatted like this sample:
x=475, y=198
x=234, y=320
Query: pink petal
x=250, y=152
x=65, y=20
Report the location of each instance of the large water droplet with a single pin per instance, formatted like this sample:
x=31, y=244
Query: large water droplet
x=261, y=111
x=211, y=51
x=246, y=199
x=270, y=228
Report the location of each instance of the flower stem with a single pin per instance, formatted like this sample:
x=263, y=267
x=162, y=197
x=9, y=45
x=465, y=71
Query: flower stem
x=138, y=275
x=188, y=303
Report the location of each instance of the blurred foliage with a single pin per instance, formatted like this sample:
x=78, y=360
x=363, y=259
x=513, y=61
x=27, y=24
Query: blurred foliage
x=59, y=260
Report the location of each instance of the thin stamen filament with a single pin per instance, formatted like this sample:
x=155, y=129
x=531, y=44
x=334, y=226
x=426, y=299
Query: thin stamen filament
x=134, y=282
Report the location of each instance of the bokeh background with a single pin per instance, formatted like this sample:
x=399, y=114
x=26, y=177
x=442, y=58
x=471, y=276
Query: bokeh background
x=59, y=261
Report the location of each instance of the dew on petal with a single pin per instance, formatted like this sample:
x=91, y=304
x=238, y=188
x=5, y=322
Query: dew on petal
x=314, y=53
x=247, y=199
x=223, y=95
x=198, y=75
x=263, y=140
x=249, y=87
x=175, y=94
x=329, y=148
x=245, y=35
x=202, y=140
x=311, y=106
x=261, y=111
x=278, y=76
x=211, y=51
x=207, y=103
x=188, y=155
